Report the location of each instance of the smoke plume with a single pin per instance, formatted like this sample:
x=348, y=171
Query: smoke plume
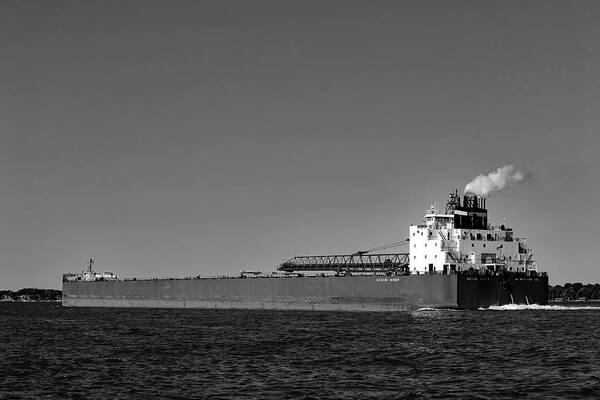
x=495, y=181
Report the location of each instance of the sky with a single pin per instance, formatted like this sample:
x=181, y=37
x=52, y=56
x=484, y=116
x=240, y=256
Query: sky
x=180, y=138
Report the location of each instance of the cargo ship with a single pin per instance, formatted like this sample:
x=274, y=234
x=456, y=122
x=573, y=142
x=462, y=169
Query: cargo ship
x=455, y=259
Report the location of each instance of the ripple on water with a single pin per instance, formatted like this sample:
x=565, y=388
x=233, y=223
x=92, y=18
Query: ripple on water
x=53, y=352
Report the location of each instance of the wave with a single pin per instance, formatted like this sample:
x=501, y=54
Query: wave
x=517, y=307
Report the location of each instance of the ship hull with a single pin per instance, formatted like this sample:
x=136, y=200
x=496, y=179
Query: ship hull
x=352, y=293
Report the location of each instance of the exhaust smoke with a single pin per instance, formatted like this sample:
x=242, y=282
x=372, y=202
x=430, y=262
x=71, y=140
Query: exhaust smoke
x=495, y=181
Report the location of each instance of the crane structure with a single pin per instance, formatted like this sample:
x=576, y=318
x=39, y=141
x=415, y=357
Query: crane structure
x=364, y=261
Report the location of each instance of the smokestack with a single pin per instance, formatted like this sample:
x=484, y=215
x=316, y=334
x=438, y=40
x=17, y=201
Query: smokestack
x=495, y=181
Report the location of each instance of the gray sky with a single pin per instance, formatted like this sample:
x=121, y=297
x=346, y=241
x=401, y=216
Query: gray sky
x=184, y=138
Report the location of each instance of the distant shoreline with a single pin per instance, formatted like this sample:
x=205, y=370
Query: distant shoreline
x=560, y=301
x=57, y=302
x=28, y=295
x=574, y=292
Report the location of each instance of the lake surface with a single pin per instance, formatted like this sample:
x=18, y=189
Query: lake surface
x=50, y=352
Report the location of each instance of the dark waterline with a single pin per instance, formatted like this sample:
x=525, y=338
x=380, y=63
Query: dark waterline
x=52, y=352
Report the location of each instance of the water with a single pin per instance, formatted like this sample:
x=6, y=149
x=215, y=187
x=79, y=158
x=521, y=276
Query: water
x=50, y=352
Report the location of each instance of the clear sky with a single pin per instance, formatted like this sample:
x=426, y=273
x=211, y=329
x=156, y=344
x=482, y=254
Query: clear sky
x=184, y=138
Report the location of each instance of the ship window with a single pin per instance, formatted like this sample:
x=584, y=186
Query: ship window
x=472, y=244
x=415, y=246
x=435, y=256
x=484, y=245
x=510, y=257
x=413, y=234
x=425, y=256
x=425, y=244
x=415, y=257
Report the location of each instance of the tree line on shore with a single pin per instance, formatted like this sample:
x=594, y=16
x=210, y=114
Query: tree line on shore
x=31, y=294
x=574, y=291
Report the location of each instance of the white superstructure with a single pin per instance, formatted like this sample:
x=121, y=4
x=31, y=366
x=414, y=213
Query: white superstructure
x=459, y=238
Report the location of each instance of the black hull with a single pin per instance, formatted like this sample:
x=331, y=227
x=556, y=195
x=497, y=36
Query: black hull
x=484, y=291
